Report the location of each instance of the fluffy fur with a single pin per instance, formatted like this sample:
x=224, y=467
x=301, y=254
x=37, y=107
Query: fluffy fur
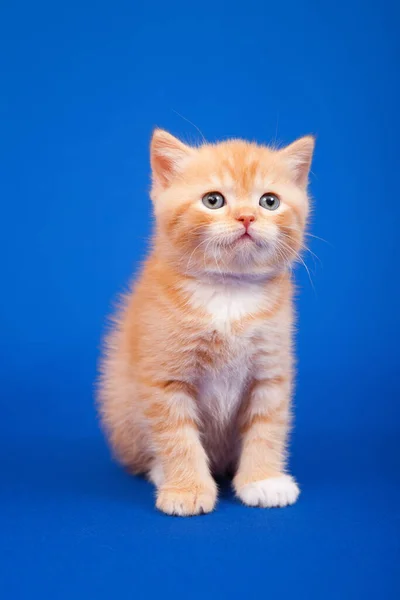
x=197, y=371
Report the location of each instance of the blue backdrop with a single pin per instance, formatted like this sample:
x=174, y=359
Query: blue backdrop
x=82, y=86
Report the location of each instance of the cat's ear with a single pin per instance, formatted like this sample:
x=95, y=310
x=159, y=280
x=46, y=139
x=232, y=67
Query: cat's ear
x=167, y=155
x=298, y=157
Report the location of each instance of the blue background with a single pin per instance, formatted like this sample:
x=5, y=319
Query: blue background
x=82, y=86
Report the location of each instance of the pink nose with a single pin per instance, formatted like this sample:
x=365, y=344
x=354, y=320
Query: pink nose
x=246, y=220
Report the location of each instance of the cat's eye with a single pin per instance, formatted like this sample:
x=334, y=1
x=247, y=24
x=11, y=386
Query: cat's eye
x=269, y=201
x=213, y=200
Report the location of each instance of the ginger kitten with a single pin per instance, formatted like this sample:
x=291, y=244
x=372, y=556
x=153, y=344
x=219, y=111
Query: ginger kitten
x=197, y=372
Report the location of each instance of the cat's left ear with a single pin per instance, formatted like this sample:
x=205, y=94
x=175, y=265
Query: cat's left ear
x=298, y=157
x=167, y=155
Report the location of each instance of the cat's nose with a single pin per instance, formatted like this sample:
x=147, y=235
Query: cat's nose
x=246, y=220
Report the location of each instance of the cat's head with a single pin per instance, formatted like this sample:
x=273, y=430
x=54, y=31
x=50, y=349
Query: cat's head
x=231, y=208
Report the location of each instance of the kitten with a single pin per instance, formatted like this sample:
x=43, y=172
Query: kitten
x=197, y=372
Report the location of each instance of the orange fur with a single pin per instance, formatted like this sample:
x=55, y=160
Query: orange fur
x=197, y=371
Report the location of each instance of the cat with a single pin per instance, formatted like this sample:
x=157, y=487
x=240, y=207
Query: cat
x=196, y=374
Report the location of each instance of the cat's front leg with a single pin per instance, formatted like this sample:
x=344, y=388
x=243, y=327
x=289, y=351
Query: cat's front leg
x=261, y=478
x=180, y=470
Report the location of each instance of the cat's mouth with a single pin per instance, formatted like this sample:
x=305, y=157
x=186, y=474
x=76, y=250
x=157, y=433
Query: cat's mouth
x=248, y=241
x=245, y=237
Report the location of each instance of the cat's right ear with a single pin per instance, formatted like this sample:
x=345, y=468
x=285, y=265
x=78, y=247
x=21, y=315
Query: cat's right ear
x=167, y=155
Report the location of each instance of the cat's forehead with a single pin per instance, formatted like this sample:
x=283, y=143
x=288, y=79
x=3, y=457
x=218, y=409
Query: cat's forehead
x=238, y=166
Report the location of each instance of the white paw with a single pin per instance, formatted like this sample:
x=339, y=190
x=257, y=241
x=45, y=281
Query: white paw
x=271, y=492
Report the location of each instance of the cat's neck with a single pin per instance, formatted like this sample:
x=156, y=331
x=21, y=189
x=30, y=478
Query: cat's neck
x=220, y=279
x=224, y=298
x=239, y=279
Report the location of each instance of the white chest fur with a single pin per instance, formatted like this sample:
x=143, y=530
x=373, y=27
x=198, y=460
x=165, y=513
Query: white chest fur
x=226, y=302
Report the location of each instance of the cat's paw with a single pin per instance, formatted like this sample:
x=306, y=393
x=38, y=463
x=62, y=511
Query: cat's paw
x=271, y=492
x=191, y=501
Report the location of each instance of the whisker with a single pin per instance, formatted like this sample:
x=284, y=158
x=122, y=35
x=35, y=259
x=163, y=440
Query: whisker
x=302, y=261
x=313, y=255
x=216, y=258
x=190, y=123
x=202, y=226
x=307, y=249
x=220, y=253
x=319, y=238
x=191, y=255
x=204, y=253
x=310, y=235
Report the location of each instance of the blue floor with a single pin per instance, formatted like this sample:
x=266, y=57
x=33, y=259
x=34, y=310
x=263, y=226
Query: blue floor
x=73, y=525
